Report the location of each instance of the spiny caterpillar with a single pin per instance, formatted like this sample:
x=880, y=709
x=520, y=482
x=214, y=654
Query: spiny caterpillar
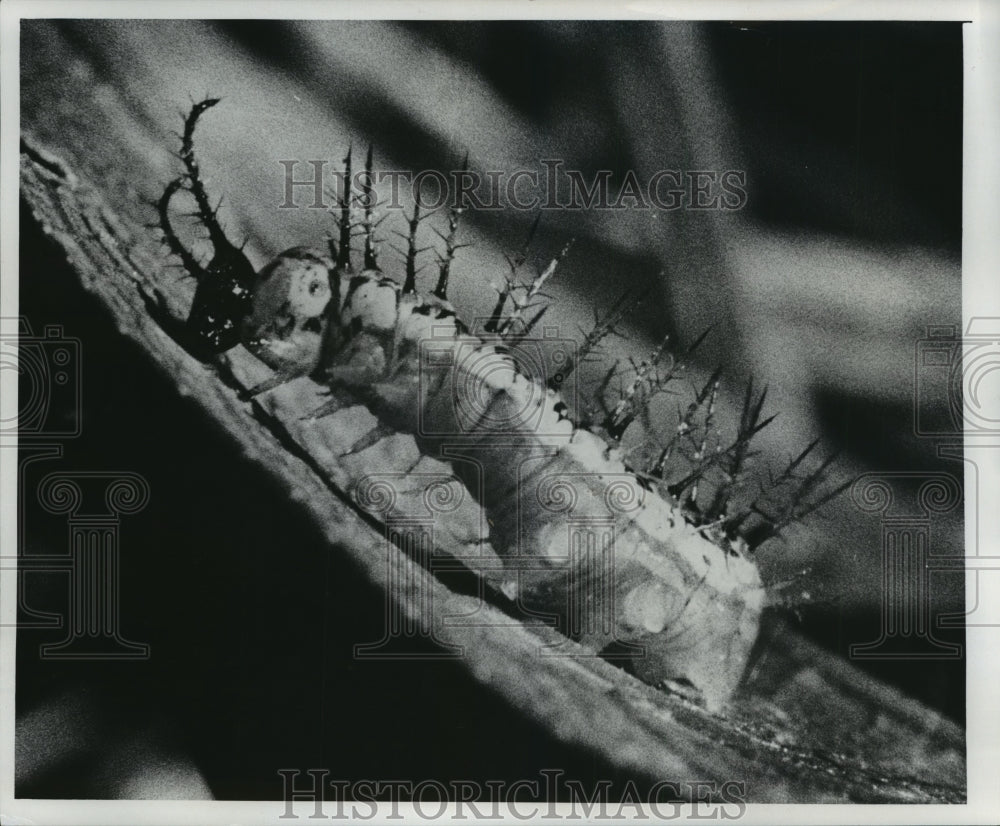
x=627, y=561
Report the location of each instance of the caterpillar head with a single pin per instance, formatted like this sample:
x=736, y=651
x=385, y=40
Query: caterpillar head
x=290, y=296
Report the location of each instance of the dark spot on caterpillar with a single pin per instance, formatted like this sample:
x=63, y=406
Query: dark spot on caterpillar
x=422, y=309
x=306, y=254
x=561, y=410
x=444, y=312
x=284, y=321
x=313, y=325
x=355, y=284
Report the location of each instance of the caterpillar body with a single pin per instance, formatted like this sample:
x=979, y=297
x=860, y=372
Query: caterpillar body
x=613, y=556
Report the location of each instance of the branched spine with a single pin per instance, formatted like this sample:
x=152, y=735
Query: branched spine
x=450, y=246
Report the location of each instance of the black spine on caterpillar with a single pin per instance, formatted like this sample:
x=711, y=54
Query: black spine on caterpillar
x=224, y=288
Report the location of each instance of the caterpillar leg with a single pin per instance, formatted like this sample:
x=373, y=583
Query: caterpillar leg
x=223, y=294
x=355, y=377
x=278, y=379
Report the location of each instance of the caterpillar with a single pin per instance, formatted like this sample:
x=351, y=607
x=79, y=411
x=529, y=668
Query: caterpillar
x=627, y=565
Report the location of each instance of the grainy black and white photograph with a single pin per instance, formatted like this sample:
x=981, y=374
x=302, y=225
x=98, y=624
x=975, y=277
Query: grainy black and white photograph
x=438, y=418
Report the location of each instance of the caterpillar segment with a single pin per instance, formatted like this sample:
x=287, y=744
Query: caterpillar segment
x=585, y=542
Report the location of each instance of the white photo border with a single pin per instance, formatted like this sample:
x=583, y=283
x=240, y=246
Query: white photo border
x=981, y=296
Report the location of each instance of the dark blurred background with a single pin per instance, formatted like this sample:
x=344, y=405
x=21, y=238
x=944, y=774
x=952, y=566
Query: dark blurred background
x=848, y=248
